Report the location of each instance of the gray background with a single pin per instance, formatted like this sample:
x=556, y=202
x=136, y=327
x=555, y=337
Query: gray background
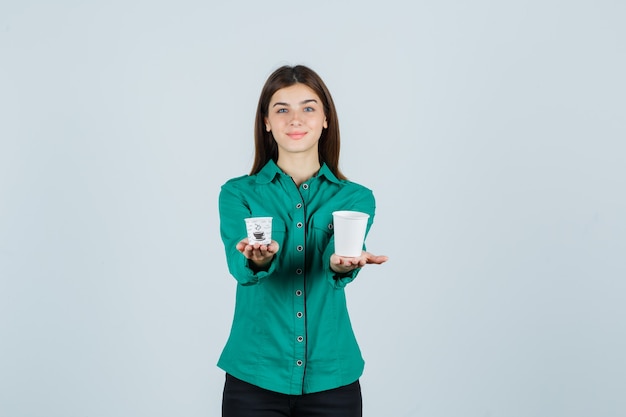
x=492, y=133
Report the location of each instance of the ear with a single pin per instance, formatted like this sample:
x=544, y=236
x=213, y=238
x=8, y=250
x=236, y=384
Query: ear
x=325, y=124
x=268, y=127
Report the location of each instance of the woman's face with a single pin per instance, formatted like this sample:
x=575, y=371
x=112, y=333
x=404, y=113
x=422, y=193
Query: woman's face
x=296, y=119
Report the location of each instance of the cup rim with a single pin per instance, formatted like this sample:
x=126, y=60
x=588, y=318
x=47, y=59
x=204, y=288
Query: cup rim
x=349, y=214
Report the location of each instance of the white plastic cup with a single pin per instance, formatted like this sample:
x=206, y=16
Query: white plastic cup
x=350, y=227
x=259, y=230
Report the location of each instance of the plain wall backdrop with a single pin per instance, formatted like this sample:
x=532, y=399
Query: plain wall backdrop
x=492, y=134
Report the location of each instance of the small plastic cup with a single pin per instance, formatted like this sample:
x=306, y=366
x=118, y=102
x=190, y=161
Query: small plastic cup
x=259, y=230
x=349, y=227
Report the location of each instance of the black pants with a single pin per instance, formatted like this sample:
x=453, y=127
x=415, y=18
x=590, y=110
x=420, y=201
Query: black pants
x=242, y=399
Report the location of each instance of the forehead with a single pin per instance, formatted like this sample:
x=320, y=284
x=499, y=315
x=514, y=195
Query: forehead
x=294, y=94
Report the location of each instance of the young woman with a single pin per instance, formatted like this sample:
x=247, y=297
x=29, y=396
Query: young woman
x=291, y=350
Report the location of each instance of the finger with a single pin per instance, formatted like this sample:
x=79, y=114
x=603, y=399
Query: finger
x=247, y=252
x=377, y=259
x=242, y=245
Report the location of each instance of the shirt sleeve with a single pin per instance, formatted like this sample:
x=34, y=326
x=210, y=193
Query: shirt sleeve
x=233, y=210
x=365, y=203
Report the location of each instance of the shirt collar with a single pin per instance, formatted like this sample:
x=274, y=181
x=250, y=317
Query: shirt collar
x=325, y=171
x=271, y=170
x=268, y=172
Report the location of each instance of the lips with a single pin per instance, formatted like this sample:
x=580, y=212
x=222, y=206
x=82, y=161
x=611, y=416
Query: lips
x=296, y=135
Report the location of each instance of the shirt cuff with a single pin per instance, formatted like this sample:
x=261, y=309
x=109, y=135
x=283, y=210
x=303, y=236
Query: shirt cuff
x=253, y=277
x=340, y=280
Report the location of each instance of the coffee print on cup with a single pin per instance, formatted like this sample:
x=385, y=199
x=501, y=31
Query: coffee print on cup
x=259, y=230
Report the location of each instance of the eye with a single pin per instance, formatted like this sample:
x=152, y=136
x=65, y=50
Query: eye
x=281, y=111
x=309, y=108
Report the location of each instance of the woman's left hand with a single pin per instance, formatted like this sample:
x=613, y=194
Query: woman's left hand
x=342, y=264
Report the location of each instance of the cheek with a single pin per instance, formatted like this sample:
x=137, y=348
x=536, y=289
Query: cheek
x=274, y=122
x=316, y=121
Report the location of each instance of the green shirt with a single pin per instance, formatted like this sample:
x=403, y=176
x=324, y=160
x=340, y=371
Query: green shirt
x=291, y=332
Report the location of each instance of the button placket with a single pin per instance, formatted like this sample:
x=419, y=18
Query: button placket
x=299, y=307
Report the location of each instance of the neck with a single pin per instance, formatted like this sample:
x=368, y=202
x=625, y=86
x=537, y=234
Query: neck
x=299, y=169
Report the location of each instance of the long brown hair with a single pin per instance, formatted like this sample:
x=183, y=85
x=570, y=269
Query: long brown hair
x=264, y=143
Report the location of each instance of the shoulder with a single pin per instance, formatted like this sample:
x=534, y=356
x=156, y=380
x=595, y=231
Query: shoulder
x=353, y=193
x=237, y=187
x=243, y=181
x=354, y=187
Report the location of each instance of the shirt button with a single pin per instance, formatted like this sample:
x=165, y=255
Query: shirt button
x=330, y=226
x=299, y=271
x=300, y=338
x=298, y=293
x=299, y=314
x=299, y=205
x=300, y=247
x=299, y=362
x=299, y=225
x=305, y=186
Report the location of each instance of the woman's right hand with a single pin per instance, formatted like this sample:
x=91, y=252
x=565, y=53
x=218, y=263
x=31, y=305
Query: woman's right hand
x=259, y=255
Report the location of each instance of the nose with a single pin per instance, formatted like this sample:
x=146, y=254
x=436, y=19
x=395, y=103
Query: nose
x=295, y=119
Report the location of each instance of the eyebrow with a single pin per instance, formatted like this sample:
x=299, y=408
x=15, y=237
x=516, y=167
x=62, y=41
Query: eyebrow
x=280, y=103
